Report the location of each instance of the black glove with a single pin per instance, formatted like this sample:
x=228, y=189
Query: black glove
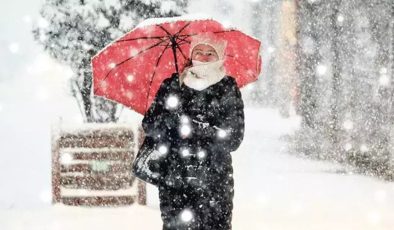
x=173, y=180
x=196, y=176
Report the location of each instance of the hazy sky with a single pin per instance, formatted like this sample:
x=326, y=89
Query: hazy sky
x=16, y=41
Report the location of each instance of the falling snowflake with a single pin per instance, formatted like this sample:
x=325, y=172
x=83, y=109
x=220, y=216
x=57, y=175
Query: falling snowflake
x=186, y=215
x=112, y=65
x=383, y=70
x=130, y=78
x=163, y=149
x=364, y=148
x=185, y=119
x=133, y=52
x=348, y=124
x=221, y=133
x=201, y=154
x=185, y=152
x=348, y=146
x=321, y=69
x=271, y=49
x=185, y=130
x=128, y=94
x=104, y=85
x=172, y=101
x=384, y=80
x=14, y=47
x=66, y=158
x=340, y=18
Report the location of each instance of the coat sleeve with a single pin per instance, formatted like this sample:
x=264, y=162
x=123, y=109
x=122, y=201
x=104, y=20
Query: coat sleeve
x=227, y=132
x=152, y=123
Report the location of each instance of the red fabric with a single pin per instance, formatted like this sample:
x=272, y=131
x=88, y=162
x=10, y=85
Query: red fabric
x=125, y=73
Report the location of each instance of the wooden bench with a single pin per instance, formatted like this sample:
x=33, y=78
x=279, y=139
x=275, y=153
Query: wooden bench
x=91, y=166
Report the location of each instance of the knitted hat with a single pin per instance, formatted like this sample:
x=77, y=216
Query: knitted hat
x=209, y=38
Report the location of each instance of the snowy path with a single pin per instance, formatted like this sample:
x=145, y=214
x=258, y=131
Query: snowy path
x=274, y=191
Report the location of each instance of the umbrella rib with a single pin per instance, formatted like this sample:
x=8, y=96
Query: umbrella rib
x=173, y=42
x=161, y=27
x=186, y=35
x=117, y=65
x=154, y=73
x=181, y=43
x=184, y=40
x=224, y=31
x=179, y=31
x=180, y=50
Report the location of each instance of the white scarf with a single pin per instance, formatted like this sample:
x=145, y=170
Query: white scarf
x=203, y=74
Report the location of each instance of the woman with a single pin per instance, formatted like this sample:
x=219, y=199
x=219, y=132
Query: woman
x=196, y=120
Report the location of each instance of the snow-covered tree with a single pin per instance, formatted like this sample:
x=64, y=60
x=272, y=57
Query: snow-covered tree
x=73, y=31
x=345, y=64
x=264, y=26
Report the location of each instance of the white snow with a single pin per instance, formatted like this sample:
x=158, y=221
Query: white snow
x=172, y=101
x=43, y=23
x=66, y=158
x=186, y=17
x=221, y=133
x=60, y=217
x=273, y=190
x=186, y=215
x=201, y=154
x=85, y=192
x=14, y=47
x=163, y=149
x=227, y=24
x=185, y=130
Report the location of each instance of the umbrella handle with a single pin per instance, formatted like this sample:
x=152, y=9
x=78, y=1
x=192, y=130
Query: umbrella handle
x=173, y=46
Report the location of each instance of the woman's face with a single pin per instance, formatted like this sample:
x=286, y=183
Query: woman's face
x=204, y=53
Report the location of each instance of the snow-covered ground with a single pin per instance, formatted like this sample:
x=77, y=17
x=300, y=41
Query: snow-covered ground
x=273, y=190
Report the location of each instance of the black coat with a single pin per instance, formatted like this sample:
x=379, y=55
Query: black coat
x=200, y=164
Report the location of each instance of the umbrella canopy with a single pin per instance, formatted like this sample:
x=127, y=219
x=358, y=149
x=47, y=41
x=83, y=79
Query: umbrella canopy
x=131, y=69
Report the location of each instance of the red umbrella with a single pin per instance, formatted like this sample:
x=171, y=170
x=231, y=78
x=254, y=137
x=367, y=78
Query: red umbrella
x=131, y=69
